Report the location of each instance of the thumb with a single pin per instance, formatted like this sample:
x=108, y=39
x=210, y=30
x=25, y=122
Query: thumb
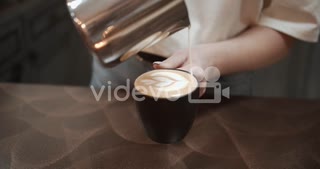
x=174, y=61
x=196, y=71
x=199, y=74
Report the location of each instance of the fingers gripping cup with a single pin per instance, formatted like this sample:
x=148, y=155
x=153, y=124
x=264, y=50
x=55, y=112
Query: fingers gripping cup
x=164, y=103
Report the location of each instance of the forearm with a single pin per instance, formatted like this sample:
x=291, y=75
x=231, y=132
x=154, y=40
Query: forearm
x=256, y=48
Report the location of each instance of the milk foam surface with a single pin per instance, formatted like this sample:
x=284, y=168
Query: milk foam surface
x=166, y=83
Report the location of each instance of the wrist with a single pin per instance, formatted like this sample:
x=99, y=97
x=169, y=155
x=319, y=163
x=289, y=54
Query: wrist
x=215, y=55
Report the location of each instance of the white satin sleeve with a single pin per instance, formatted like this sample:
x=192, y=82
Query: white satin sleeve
x=297, y=18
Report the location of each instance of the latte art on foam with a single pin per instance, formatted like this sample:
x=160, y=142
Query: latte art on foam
x=165, y=83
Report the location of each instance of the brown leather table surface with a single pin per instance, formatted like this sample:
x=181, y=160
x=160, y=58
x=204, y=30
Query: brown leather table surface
x=64, y=127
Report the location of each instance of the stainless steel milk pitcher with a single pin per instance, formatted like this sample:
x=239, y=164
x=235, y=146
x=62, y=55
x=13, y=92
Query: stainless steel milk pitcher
x=114, y=30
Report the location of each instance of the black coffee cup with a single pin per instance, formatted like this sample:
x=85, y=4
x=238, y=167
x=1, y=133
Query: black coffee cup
x=167, y=119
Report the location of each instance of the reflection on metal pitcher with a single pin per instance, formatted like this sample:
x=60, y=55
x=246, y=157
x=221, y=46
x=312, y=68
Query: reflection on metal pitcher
x=114, y=30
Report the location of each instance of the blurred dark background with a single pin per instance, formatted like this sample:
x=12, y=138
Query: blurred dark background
x=39, y=44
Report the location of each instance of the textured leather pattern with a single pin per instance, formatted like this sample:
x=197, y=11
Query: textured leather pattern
x=49, y=127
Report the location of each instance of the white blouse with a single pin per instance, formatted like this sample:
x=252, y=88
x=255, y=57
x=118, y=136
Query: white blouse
x=217, y=20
